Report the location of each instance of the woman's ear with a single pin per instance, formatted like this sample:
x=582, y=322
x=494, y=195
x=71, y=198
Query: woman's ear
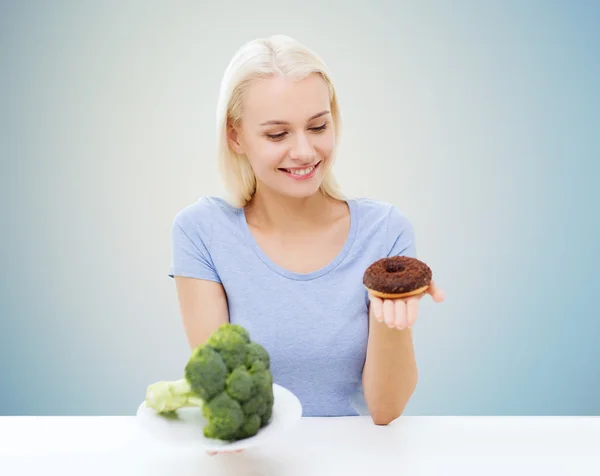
x=233, y=139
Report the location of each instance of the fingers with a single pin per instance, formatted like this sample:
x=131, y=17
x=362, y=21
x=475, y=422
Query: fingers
x=389, y=312
x=377, y=307
x=412, y=311
x=392, y=312
x=436, y=293
x=384, y=310
x=401, y=313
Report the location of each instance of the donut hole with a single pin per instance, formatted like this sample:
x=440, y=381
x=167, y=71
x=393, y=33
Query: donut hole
x=394, y=267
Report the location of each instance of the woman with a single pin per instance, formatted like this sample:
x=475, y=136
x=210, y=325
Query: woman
x=284, y=255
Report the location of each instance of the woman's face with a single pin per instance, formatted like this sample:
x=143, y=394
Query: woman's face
x=287, y=134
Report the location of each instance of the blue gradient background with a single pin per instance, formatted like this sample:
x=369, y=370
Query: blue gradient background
x=479, y=119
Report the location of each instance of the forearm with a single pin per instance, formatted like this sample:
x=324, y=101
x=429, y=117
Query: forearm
x=390, y=371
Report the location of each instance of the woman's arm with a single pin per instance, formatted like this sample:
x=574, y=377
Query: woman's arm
x=203, y=307
x=390, y=371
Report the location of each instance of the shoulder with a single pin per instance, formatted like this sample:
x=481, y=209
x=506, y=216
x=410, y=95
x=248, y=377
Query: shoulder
x=205, y=210
x=200, y=218
x=387, y=223
x=382, y=213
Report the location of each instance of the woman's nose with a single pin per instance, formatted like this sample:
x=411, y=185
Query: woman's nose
x=302, y=149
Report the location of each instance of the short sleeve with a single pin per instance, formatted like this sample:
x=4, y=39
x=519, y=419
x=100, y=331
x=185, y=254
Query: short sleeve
x=400, y=235
x=190, y=250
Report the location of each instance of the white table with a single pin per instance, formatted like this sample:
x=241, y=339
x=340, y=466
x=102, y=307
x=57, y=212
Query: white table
x=465, y=446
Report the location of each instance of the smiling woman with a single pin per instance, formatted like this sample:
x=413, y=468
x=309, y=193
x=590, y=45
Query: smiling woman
x=282, y=136
x=277, y=112
x=284, y=254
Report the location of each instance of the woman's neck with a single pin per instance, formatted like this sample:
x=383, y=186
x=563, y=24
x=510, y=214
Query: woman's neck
x=275, y=213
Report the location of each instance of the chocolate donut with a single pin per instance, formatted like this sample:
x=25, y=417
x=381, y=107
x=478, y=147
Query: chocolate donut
x=397, y=277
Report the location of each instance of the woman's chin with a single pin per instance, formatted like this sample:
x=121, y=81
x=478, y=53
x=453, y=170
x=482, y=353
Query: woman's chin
x=307, y=192
x=299, y=190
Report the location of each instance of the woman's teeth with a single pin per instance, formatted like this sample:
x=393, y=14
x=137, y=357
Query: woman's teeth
x=300, y=171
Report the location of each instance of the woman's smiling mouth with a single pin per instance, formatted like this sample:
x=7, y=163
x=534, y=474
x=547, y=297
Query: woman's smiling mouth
x=301, y=173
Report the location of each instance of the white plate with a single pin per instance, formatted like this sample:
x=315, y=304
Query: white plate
x=188, y=429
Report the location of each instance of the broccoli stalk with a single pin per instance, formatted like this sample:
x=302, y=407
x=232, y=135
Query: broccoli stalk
x=229, y=377
x=167, y=397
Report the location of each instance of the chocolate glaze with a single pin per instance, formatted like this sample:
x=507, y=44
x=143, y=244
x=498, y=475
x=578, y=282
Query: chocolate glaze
x=397, y=274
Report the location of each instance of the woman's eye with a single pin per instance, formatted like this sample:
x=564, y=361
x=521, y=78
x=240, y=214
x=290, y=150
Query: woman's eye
x=281, y=135
x=276, y=136
x=319, y=128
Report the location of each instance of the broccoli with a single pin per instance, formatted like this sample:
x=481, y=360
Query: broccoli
x=231, y=344
x=206, y=372
x=240, y=384
x=225, y=417
x=166, y=397
x=257, y=357
x=230, y=378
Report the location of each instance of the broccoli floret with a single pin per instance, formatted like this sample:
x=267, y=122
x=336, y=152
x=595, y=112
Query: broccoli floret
x=256, y=405
x=239, y=330
x=206, y=372
x=257, y=357
x=268, y=413
x=240, y=384
x=263, y=381
x=231, y=344
x=229, y=377
x=250, y=427
x=266, y=417
x=225, y=417
x=261, y=403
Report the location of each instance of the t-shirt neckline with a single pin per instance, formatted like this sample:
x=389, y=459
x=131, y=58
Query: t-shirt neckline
x=313, y=274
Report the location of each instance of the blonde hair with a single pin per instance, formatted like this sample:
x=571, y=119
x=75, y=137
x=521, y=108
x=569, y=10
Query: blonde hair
x=257, y=59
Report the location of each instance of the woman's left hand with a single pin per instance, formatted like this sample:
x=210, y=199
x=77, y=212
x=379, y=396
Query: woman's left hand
x=402, y=313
